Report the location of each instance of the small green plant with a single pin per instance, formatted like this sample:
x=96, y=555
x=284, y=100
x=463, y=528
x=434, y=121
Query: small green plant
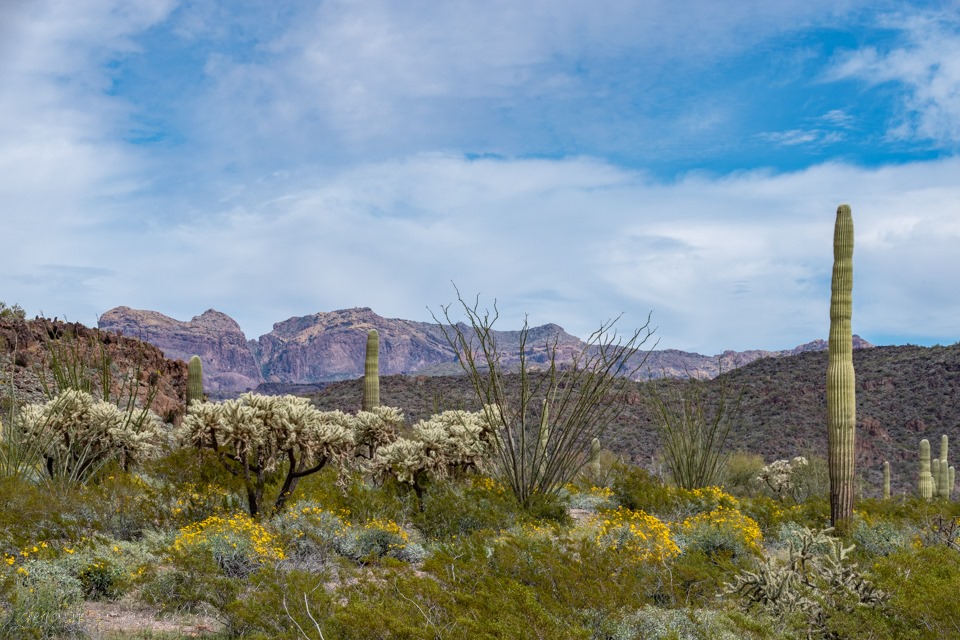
x=45, y=603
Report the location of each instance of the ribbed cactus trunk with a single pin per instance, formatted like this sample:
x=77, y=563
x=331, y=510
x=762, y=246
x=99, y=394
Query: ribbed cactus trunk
x=841, y=399
x=371, y=372
x=595, y=459
x=194, y=380
x=943, y=471
x=926, y=479
x=886, y=480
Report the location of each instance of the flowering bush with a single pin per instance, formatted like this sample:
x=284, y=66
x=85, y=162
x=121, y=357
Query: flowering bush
x=377, y=539
x=635, y=533
x=313, y=532
x=723, y=530
x=237, y=544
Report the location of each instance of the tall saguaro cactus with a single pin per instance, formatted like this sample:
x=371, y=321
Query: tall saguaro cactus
x=194, y=380
x=841, y=398
x=926, y=479
x=371, y=372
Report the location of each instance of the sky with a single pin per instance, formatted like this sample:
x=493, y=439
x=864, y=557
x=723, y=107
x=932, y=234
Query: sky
x=569, y=161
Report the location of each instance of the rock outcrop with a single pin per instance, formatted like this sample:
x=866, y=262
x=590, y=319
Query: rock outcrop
x=228, y=364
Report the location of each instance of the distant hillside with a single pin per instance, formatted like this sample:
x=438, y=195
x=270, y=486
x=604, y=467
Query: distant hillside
x=904, y=394
x=329, y=346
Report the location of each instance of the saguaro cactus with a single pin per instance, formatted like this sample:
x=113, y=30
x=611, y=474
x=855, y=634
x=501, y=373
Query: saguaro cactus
x=886, y=480
x=595, y=459
x=944, y=486
x=926, y=480
x=194, y=380
x=371, y=372
x=841, y=399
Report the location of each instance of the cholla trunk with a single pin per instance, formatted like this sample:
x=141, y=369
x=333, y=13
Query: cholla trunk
x=841, y=398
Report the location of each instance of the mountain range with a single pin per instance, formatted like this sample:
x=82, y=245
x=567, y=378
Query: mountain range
x=330, y=346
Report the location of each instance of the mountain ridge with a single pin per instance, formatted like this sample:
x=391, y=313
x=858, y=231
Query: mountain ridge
x=328, y=346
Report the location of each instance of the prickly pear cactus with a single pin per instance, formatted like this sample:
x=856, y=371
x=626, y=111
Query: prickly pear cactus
x=194, y=380
x=371, y=372
x=926, y=480
x=841, y=399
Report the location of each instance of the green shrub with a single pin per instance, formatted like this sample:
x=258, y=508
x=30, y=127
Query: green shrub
x=741, y=471
x=45, y=603
x=378, y=539
x=312, y=534
x=455, y=508
x=879, y=537
x=654, y=623
x=723, y=532
x=637, y=489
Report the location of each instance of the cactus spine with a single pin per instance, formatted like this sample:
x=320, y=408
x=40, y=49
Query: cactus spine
x=194, y=380
x=886, y=480
x=926, y=480
x=371, y=372
x=841, y=399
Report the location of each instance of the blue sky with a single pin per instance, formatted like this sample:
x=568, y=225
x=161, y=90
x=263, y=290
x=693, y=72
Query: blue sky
x=572, y=160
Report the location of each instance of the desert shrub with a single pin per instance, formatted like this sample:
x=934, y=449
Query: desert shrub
x=635, y=534
x=238, y=544
x=723, y=532
x=766, y=511
x=312, y=534
x=378, y=539
x=452, y=508
x=122, y=504
x=741, y=471
x=921, y=583
x=637, y=489
x=591, y=498
x=878, y=537
x=702, y=500
x=810, y=480
x=656, y=623
x=45, y=602
x=190, y=484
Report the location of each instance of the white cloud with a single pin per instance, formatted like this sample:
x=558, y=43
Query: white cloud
x=741, y=261
x=926, y=63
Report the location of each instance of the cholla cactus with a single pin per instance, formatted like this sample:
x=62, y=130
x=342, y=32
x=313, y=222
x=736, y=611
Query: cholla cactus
x=79, y=434
x=449, y=443
x=256, y=433
x=778, y=475
x=375, y=428
x=817, y=577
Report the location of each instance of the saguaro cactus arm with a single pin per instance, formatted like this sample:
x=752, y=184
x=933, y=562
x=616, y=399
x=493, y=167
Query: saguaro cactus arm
x=841, y=399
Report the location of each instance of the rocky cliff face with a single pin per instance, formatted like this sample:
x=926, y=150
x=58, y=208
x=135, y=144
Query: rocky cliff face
x=228, y=364
x=330, y=346
x=24, y=354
